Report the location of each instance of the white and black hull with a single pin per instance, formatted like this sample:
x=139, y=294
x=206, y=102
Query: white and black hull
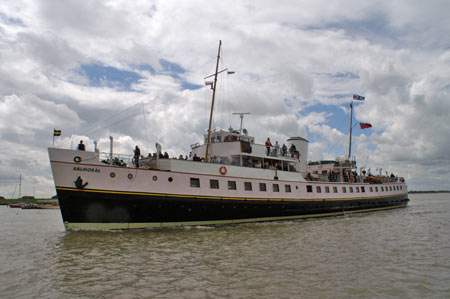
x=124, y=198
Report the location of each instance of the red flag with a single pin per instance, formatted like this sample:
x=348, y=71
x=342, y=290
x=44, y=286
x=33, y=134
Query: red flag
x=365, y=125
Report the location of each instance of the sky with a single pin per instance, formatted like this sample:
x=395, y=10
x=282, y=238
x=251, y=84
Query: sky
x=135, y=70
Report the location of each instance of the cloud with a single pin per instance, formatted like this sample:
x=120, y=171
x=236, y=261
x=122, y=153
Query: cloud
x=291, y=61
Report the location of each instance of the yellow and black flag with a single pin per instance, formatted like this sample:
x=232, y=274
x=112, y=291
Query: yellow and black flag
x=56, y=132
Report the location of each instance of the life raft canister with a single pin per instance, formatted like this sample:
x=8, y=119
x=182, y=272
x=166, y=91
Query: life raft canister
x=223, y=170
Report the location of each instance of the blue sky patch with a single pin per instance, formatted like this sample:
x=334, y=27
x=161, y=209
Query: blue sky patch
x=106, y=76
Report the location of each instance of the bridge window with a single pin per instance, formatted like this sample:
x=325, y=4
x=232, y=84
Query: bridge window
x=351, y=189
x=195, y=182
x=318, y=189
x=327, y=189
x=371, y=189
x=248, y=186
x=357, y=189
x=309, y=188
x=344, y=190
x=376, y=189
x=335, y=189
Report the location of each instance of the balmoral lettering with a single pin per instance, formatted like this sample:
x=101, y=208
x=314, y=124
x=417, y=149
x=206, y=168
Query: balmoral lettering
x=88, y=169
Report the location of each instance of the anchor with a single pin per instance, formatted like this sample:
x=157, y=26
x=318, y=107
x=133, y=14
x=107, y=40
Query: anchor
x=79, y=183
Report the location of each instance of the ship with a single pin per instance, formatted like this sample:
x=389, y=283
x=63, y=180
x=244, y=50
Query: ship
x=228, y=179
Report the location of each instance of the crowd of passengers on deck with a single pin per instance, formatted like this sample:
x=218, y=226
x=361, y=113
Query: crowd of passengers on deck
x=283, y=151
x=253, y=163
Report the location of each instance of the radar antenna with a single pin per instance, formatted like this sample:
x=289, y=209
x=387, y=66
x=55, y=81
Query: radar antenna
x=241, y=114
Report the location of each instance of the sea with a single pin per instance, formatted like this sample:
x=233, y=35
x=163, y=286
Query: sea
x=401, y=253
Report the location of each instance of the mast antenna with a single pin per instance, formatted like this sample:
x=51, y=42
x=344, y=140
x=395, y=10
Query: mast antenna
x=212, y=103
x=241, y=115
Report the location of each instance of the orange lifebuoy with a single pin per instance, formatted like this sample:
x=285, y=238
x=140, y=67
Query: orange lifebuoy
x=223, y=170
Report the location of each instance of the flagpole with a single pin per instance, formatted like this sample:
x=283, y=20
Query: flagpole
x=350, y=141
x=53, y=143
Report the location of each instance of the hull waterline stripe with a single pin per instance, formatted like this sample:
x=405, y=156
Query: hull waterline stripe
x=229, y=198
x=112, y=226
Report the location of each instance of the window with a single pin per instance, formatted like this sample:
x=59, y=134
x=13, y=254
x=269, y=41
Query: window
x=287, y=188
x=248, y=186
x=376, y=189
x=344, y=190
x=214, y=184
x=327, y=189
x=335, y=189
x=308, y=188
x=390, y=188
x=371, y=189
x=276, y=188
x=357, y=189
x=351, y=189
x=231, y=185
x=382, y=189
x=262, y=187
x=318, y=189
x=195, y=182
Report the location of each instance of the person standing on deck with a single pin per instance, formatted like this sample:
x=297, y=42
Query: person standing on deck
x=268, y=145
x=81, y=146
x=137, y=154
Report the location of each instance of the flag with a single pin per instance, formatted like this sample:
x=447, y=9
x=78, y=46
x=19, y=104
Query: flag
x=208, y=83
x=56, y=132
x=230, y=72
x=365, y=125
x=357, y=97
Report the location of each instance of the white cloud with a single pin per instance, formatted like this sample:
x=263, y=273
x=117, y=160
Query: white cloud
x=288, y=58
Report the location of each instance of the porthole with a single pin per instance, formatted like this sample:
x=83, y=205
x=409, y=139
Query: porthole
x=170, y=179
x=130, y=176
x=155, y=178
x=77, y=159
x=112, y=174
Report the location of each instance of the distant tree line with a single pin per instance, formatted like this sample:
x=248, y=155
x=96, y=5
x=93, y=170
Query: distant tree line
x=438, y=191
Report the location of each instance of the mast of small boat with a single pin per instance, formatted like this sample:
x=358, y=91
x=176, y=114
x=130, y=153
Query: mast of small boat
x=20, y=185
x=212, y=104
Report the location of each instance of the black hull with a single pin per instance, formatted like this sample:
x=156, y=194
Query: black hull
x=95, y=209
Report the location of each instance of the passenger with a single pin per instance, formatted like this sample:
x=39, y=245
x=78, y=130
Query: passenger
x=196, y=158
x=166, y=155
x=81, y=146
x=276, y=148
x=137, y=154
x=181, y=157
x=292, y=150
x=268, y=145
x=283, y=150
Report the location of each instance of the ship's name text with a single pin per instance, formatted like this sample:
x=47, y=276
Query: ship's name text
x=88, y=169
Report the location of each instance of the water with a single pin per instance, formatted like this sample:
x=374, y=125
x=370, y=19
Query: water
x=390, y=254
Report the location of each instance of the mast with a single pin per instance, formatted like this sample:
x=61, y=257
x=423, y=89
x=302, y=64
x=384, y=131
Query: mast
x=212, y=104
x=350, y=141
x=20, y=185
